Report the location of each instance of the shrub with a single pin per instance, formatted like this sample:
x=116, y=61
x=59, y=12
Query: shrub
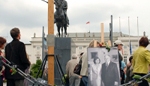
x=35, y=68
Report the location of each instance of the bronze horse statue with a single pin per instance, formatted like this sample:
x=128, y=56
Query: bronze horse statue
x=60, y=17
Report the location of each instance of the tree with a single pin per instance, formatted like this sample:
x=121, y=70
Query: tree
x=35, y=68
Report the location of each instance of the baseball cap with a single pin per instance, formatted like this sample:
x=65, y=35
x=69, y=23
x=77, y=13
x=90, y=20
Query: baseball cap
x=117, y=42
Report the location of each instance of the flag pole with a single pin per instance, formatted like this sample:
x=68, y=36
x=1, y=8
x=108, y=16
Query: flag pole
x=137, y=27
x=119, y=27
x=89, y=26
x=138, y=30
x=129, y=27
x=129, y=35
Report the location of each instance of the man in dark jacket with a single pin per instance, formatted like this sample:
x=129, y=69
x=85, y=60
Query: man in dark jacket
x=15, y=52
x=109, y=75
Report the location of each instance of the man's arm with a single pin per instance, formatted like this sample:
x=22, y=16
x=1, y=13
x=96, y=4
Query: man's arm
x=147, y=55
x=102, y=72
x=23, y=56
x=67, y=69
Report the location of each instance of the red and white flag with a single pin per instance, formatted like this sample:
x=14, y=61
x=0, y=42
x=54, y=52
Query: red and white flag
x=88, y=22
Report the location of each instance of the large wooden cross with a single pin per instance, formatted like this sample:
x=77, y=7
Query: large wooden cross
x=51, y=48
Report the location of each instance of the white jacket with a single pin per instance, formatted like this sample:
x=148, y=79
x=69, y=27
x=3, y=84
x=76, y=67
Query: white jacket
x=84, y=69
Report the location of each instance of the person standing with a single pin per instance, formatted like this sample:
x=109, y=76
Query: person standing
x=109, y=75
x=119, y=44
x=15, y=52
x=2, y=68
x=95, y=72
x=84, y=68
x=129, y=70
x=74, y=79
x=141, y=60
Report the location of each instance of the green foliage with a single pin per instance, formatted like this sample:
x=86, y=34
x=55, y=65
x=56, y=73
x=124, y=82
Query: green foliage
x=13, y=71
x=148, y=79
x=63, y=79
x=136, y=77
x=107, y=47
x=35, y=68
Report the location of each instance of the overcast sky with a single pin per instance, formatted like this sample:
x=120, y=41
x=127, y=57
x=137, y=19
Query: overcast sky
x=31, y=15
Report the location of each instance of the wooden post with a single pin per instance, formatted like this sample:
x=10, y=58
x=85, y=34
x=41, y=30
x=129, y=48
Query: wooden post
x=51, y=48
x=95, y=43
x=109, y=43
x=102, y=32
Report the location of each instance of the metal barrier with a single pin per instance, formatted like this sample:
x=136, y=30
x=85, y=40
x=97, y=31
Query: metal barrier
x=38, y=81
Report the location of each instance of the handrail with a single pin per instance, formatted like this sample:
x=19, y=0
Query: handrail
x=31, y=79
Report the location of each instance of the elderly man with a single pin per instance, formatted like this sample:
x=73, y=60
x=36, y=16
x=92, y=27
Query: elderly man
x=119, y=44
x=109, y=75
x=74, y=79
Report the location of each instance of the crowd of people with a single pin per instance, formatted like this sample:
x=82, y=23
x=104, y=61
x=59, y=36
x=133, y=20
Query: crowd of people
x=138, y=64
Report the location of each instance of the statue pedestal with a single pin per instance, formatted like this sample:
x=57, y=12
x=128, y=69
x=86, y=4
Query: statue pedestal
x=62, y=49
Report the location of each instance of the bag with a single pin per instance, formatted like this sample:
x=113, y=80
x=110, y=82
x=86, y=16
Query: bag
x=77, y=69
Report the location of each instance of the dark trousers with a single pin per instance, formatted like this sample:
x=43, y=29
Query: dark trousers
x=84, y=81
x=122, y=76
x=14, y=82
x=1, y=80
x=144, y=82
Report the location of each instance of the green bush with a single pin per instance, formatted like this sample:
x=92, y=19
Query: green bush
x=148, y=79
x=35, y=68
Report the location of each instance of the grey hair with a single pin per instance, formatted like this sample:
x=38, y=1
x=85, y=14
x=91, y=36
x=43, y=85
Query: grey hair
x=74, y=56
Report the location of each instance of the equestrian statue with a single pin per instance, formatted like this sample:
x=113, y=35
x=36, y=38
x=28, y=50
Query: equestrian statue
x=60, y=16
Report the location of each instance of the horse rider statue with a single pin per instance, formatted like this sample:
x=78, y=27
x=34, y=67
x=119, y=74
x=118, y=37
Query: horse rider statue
x=60, y=16
x=64, y=6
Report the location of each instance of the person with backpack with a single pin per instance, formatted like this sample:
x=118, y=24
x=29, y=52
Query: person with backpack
x=74, y=79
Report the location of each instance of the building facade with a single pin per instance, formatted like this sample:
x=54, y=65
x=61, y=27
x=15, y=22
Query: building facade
x=34, y=49
x=80, y=42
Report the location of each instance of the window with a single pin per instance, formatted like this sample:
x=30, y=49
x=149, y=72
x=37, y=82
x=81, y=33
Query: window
x=125, y=56
x=73, y=50
x=80, y=47
x=34, y=46
x=38, y=58
x=38, y=48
